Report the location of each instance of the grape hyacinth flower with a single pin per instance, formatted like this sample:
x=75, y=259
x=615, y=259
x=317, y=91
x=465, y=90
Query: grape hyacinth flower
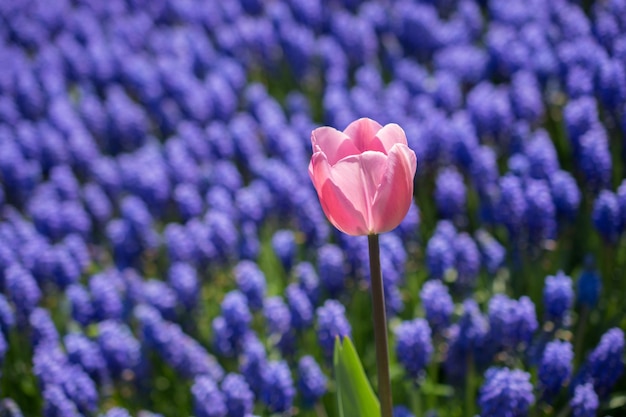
x=284, y=245
x=605, y=364
x=555, y=368
x=253, y=362
x=183, y=279
x=22, y=290
x=308, y=280
x=119, y=347
x=512, y=322
x=585, y=401
x=208, y=400
x=277, y=316
x=277, y=391
x=251, y=282
x=238, y=396
x=450, y=193
x=413, y=346
x=331, y=267
x=558, y=298
x=493, y=253
x=300, y=307
x=438, y=305
x=606, y=216
x=311, y=381
x=331, y=322
x=505, y=392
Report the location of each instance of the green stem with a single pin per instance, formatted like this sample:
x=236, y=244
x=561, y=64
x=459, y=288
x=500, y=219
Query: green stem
x=416, y=399
x=380, y=328
x=470, y=388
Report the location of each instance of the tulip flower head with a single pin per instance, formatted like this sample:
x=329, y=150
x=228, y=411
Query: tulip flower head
x=363, y=176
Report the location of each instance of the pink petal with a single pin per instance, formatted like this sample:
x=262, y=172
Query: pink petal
x=391, y=134
x=395, y=193
x=358, y=178
x=335, y=144
x=339, y=210
x=363, y=133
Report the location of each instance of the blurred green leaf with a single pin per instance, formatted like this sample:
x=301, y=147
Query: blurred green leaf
x=355, y=396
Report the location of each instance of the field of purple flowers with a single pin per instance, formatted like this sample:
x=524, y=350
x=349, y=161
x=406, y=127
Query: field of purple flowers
x=164, y=253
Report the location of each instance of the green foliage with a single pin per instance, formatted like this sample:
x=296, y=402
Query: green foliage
x=355, y=396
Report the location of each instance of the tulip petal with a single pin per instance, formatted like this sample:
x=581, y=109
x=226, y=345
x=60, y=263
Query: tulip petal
x=391, y=134
x=395, y=193
x=358, y=177
x=363, y=134
x=339, y=210
x=335, y=144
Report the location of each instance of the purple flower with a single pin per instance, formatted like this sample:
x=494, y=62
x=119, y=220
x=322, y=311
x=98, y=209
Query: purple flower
x=402, y=411
x=490, y=109
x=331, y=323
x=300, y=307
x=22, y=290
x=526, y=98
x=493, y=253
x=440, y=256
x=413, y=346
x=594, y=158
x=438, y=305
x=278, y=391
x=606, y=216
x=97, y=203
x=208, y=400
x=82, y=309
x=450, y=193
x=253, y=362
x=512, y=322
x=119, y=347
x=312, y=383
x=466, y=260
x=43, y=329
x=56, y=403
x=87, y=354
x=285, y=247
x=558, y=297
x=540, y=211
x=10, y=408
x=188, y=200
x=238, y=396
x=468, y=63
x=555, y=368
x=331, y=265
x=7, y=316
x=541, y=155
x=117, y=412
x=588, y=287
x=251, y=282
x=585, y=401
x=308, y=280
x=236, y=312
x=611, y=83
x=605, y=365
x=505, y=392
x=277, y=316
x=105, y=296
x=160, y=296
x=565, y=193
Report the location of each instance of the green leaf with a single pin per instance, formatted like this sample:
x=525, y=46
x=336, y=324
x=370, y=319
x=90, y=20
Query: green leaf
x=355, y=395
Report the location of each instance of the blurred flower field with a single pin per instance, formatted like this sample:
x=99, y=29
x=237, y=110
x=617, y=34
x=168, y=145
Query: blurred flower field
x=163, y=251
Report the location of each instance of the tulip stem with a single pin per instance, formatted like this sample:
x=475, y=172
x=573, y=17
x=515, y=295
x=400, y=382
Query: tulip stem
x=380, y=328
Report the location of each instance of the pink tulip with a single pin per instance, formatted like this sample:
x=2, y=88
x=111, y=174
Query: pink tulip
x=363, y=176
